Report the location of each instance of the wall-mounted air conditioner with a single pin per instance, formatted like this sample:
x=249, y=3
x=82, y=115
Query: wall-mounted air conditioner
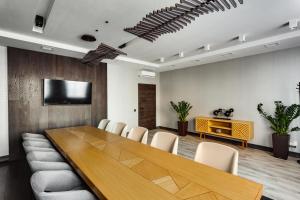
x=148, y=74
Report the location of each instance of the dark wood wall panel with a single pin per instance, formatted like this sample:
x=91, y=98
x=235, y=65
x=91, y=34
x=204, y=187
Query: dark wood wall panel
x=26, y=69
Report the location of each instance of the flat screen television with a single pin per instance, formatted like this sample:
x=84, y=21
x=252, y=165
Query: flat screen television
x=64, y=92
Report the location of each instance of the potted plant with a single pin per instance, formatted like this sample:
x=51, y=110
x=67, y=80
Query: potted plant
x=280, y=124
x=182, y=109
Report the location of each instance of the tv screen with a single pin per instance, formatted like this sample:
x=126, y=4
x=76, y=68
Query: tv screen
x=57, y=92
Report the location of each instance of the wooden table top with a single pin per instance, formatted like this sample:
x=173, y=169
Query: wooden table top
x=117, y=168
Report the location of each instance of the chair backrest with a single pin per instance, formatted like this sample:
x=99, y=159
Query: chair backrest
x=139, y=134
x=218, y=156
x=44, y=156
x=165, y=141
x=116, y=127
x=103, y=123
x=124, y=131
x=54, y=181
x=37, y=144
x=109, y=126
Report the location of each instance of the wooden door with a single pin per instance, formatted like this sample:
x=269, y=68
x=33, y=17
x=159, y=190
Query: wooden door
x=147, y=106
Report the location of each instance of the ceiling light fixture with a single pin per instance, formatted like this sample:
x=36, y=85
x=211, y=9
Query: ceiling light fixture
x=47, y=48
x=272, y=45
x=242, y=38
x=293, y=24
x=181, y=54
x=162, y=59
x=207, y=47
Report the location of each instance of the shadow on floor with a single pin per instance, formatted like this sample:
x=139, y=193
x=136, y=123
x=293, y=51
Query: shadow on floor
x=15, y=181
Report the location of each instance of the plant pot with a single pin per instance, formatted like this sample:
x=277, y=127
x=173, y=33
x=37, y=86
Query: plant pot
x=182, y=128
x=281, y=145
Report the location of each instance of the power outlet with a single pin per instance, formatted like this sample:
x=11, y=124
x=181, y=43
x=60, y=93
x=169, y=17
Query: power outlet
x=293, y=144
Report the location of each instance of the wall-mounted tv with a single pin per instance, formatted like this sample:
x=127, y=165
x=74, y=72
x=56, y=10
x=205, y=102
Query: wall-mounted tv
x=64, y=92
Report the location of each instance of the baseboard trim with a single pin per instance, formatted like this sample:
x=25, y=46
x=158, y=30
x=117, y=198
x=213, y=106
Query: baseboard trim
x=253, y=146
x=4, y=159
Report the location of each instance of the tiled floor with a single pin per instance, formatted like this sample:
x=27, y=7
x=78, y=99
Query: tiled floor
x=281, y=178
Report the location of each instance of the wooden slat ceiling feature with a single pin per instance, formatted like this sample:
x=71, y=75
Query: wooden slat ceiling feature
x=174, y=18
x=102, y=52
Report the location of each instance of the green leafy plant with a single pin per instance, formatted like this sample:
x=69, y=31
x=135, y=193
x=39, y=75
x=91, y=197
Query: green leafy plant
x=182, y=109
x=283, y=117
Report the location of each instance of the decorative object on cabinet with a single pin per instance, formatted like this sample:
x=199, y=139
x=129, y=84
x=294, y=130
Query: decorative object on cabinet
x=223, y=113
x=182, y=109
x=280, y=124
x=229, y=129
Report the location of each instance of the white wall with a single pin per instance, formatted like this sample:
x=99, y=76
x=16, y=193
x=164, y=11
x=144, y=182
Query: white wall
x=240, y=83
x=3, y=103
x=122, y=91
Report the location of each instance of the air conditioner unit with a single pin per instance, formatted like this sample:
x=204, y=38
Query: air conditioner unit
x=148, y=74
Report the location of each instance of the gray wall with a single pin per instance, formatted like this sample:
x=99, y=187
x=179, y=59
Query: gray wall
x=240, y=83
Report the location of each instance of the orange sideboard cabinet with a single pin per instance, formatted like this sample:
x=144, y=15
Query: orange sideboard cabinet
x=230, y=129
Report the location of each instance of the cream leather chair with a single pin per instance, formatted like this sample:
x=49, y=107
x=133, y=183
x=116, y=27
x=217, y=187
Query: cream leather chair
x=103, y=123
x=139, y=134
x=58, y=185
x=218, y=156
x=109, y=126
x=165, y=141
x=116, y=127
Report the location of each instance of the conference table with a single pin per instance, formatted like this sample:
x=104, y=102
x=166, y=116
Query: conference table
x=117, y=168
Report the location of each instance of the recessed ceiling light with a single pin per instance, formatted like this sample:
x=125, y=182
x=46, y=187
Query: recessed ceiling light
x=272, y=45
x=181, y=54
x=162, y=59
x=47, y=48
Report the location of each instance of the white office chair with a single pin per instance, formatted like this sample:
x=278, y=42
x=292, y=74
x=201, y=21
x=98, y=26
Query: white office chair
x=36, y=139
x=36, y=166
x=33, y=135
x=116, y=127
x=109, y=126
x=165, y=141
x=218, y=156
x=37, y=146
x=32, y=148
x=139, y=134
x=58, y=185
x=44, y=156
x=103, y=123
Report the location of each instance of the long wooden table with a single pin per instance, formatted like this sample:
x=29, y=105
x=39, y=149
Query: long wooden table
x=116, y=168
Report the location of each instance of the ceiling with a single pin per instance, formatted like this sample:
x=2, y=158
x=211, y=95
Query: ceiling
x=262, y=21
